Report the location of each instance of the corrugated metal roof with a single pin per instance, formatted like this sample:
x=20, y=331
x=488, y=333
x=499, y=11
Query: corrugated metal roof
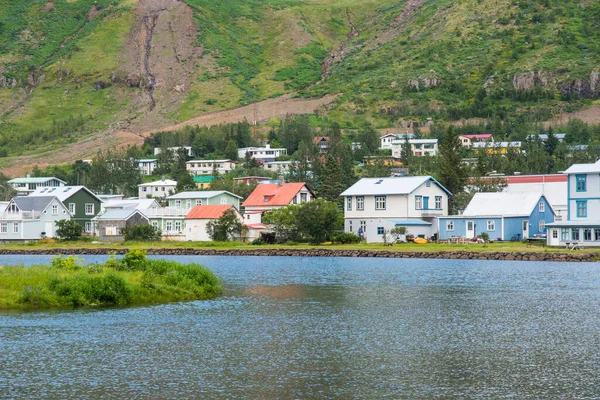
x=117, y=215
x=35, y=203
x=409, y=222
x=504, y=204
x=200, y=194
x=62, y=192
x=35, y=180
x=583, y=168
x=383, y=186
x=208, y=212
x=166, y=182
x=277, y=195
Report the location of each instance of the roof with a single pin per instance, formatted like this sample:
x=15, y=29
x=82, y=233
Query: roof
x=395, y=185
x=210, y=161
x=497, y=144
x=35, y=203
x=573, y=224
x=415, y=141
x=208, y=212
x=256, y=226
x=504, y=204
x=35, y=180
x=583, y=168
x=166, y=182
x=243, y=178
x=478, y=136
x=118, y=215
x=137, y=204
x=318, y=139
x=409, y=222
x=62, y=192
x=200, y=194
x=277, y=195
x=203, y=178
x=146, y=160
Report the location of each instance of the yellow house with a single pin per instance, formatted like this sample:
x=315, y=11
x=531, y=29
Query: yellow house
x=496, y=147
x=203, y=181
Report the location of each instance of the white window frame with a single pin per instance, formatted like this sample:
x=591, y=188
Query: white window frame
x=3, y=227
x=169, y=226
x=198, y=202
x=88, y=227
x=418, y=202
x=223, y=200
x=72, y=208
x=542, y=206
x=542, y=225
x=155, y=225
x=91, y=205
x=491, y=225
x=54, y=209
x=438, y=202
x=178, y=204
x=177, y=226
x=15, y=227
x=380, y=202
x=450, y=225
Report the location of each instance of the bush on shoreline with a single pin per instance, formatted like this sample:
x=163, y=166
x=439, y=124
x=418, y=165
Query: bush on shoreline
x=132, y=280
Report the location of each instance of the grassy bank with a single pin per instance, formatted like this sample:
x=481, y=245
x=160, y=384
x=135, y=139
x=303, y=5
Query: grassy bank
x=132, y=280
x=429, y=247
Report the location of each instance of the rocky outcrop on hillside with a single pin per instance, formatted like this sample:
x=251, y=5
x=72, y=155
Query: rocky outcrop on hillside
x=584, y=88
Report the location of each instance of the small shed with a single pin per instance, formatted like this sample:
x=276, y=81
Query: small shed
x=199, y=216
x=109, y=224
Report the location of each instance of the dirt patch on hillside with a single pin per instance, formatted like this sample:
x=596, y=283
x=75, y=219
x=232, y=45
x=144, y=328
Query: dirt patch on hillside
x=589, y=115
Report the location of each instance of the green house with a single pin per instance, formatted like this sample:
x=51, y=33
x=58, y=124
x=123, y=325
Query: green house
x=188, y=200
x=81, y=202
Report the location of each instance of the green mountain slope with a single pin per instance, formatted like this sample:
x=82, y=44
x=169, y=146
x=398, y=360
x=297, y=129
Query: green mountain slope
x=73, y=68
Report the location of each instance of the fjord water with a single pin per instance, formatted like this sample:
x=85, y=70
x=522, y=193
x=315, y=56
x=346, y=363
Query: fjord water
x=291, y=327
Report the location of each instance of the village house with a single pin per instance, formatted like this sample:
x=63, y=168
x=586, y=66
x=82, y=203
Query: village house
x=109, y=224
x=468, y=140
x=388, y=139
x=512, y=216
x=322, y=143
x=207, y=167
x=198, y=217
x=27, y=185
x=418, y=147
x=31, y=218
x=249, y=180
x=175, y=150
x=157, y=189
x=188, y=200
x=277, y=167
x=169, y=220
x=496, y=147
x=262, y=154
x=270, y=196
x=374, y=206
x=581, y=224
x=203, y=181
x=147, y=165
x=128, y=204
x=83, y=205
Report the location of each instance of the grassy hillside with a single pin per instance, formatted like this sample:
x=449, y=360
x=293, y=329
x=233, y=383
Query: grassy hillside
x=71, y=68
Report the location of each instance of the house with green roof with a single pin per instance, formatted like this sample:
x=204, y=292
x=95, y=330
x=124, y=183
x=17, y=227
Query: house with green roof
x=188, y=200
x=203, y=181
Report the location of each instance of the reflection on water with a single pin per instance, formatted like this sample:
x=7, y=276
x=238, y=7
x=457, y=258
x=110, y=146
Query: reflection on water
x=325, y=328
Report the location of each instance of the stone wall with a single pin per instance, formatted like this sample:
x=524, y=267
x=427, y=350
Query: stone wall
x=574, y=256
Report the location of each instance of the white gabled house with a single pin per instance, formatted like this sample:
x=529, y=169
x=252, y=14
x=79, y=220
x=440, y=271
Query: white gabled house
x=375, y=205
x=31, y=218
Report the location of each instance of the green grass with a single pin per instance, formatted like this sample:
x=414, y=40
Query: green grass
x=130, y=281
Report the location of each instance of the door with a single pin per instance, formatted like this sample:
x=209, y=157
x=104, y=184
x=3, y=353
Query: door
x=525, y=229
x=49, y=228
x=470, y=229
x=425, y=203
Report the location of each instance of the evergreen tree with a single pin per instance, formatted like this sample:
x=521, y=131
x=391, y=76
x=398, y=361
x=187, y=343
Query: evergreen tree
x=551, y=142
x=406, y=152
x=331, y=184
x=231, y=151
x=451, y=172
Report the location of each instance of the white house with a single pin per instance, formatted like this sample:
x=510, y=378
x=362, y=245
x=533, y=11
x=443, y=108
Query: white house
x=468, y=140
x=26, y=185
x=418, y=147
x=162, y=188
x=375, y=205
x=277, y=166
x=386, y=140
x=205, y=167
x=582, y=222
x=31, y=218
x=262, y=154
x=269, y=196
x=147, y=165
x=199, y=216
x=175, y=150
x=129, y=204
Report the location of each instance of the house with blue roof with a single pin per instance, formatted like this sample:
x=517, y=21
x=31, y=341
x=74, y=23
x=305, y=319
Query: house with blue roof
x=502, y=216
x=373, y=206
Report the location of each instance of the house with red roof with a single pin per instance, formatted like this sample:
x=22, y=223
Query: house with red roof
x=199, y=216
x=270, y=196
x=322, y=143
x=468, y=140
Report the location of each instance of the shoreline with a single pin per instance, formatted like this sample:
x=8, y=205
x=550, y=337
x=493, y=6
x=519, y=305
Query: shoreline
x=318, y=252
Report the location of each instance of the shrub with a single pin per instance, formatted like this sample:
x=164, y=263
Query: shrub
x=346, y=238
x=134, y=260
x=66, y=262
x=485, y=236
x=141, y=232
x=68, y=229
x=257, y=242
x=81, y=290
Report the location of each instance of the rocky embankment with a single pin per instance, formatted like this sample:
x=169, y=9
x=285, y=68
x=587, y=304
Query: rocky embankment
x=575, y=256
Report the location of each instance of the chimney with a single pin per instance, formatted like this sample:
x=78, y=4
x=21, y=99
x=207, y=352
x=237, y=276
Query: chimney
x=163, y=178
x=268, y=146
x=29, y=175
x=281, y=181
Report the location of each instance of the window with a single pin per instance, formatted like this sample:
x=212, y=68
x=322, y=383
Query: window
x=363, y=227
x=349, y=203
x=596, y=234
x=582, y=209
x=302, y=197
x=169, y=226
x=72, y=208
x=380, y=202
x=177, y=203
x=3, y=227
x=554, y=233
x=360, y=203
x=266, y=199
x=188, y=204
x=144, y=188
x=450, y=225
x=564, y=234
x=295, y=200
x=55, y=210
x=418, y=202
x=199, y=202
x=380, y=230
x=428, y=184
x=223, y=200
x=89, y=209
x=575, y=234
x=16, y=227
x=542, y=226
x=88, y=227
x=162, y=188
x=491, y=225
x=155, y=225
x=542, y=206
x=587, y=234
x=438, y=202
x=178, y=226
x=580, y=183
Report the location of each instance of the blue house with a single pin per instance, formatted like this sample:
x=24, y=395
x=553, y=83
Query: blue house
x=503, y=216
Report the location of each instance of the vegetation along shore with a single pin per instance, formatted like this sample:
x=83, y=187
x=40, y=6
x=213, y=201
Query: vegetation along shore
x=130, y=280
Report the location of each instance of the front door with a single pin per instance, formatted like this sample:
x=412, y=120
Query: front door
x=470, y=229
x=49, y=226
x=525, y=229
x=425, y=203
